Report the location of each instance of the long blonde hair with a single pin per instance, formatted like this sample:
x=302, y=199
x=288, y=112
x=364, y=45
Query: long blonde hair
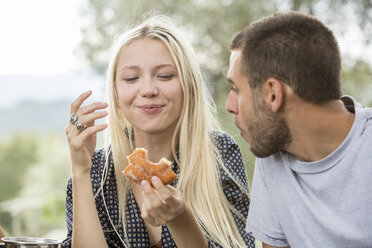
x=199, y=159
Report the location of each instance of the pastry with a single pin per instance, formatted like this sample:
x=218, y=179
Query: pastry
x=140, y=168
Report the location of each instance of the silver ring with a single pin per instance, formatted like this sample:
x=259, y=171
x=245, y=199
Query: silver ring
x=80, y=127
x=73, y=118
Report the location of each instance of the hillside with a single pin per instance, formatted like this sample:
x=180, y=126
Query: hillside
x=42, y=117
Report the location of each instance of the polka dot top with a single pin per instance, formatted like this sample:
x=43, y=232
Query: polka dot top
x=137, y=235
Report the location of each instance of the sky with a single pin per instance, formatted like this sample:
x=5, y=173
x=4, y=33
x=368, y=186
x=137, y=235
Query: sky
x=37, y=51
x=38, y=36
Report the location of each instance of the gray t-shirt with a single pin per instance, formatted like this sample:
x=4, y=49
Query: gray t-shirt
x=326, y=203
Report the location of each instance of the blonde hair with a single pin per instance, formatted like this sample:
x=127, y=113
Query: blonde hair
x=199, y=159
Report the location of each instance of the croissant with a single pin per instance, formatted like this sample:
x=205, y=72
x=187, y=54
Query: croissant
x=140, y=168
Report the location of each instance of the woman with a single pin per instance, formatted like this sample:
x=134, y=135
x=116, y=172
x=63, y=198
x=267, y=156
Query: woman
x=156, y=100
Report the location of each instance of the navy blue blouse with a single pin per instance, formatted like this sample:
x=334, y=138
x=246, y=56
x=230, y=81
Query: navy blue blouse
x=136, y=229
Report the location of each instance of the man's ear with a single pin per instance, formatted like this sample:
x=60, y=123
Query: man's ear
x=274, y=94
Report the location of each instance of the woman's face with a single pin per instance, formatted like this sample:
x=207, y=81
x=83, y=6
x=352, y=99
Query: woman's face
x=148, y=87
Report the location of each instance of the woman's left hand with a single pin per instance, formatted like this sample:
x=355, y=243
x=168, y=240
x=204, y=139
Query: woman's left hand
x=162, y=204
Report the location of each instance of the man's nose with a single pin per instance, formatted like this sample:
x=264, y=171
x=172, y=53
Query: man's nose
x=231, y=104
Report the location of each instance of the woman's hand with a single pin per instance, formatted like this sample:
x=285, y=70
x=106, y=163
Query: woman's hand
x=83, y=142
x=162, y=204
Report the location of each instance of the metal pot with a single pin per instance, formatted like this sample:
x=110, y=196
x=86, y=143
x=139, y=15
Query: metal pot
x=26, y=242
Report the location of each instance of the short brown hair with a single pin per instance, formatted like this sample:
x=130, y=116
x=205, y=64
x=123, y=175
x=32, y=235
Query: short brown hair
x=296, y=49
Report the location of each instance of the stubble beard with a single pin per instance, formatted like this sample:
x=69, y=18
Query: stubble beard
x=269, y=133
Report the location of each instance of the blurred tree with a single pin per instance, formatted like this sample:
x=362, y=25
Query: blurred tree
x=210, y=26
x=358, y=81
x=52, y=172
x=34, y=171
x=16, y=156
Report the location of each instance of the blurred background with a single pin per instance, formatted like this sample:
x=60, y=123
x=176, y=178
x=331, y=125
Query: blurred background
x=51, y=51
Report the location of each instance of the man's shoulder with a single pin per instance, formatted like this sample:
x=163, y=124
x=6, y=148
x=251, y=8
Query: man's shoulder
x=363, y=113
x=276, y=158
x=272, y=166
x=354, y=106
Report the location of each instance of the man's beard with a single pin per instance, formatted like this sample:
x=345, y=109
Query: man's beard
x=269, y=132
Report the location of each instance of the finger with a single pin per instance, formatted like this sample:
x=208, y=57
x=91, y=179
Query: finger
x=90, y=118
x=91, y=108
x=85, y=119
x=75, y=105
x=148, y=213
x=168, y=194
x=151, y=215
x=145, y=214
x=93, y=130
x=86, y=134
x=149, y=193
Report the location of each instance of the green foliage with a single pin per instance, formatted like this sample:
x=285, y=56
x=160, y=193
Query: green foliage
x=5, y=218
x=357, y=80
x=210, y=25
x=16, y=156
x=35, y=170
x=53, y=211
x=52, y=173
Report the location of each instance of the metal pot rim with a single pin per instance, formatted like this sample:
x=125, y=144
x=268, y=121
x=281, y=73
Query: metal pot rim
x=30, y=241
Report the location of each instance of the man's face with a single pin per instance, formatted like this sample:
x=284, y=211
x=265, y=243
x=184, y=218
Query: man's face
x=264, y=130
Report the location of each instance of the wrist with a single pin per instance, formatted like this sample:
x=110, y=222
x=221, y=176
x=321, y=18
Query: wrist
x=186, y=230
x=181, y=218
x=79, y=173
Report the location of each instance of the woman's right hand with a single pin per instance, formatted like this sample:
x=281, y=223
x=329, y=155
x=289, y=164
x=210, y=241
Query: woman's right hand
x=82, y=143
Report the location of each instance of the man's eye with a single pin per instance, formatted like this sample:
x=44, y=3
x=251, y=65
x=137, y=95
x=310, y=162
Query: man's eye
x=233, y=89
x=165, y=77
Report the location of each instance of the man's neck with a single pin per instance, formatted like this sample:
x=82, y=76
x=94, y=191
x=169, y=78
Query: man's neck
x=317, y=130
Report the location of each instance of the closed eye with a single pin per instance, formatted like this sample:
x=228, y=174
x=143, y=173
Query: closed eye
x=131, y=79
x=165, y=77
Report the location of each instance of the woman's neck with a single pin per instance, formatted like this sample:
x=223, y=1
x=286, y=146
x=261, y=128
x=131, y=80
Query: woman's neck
x=158, y=145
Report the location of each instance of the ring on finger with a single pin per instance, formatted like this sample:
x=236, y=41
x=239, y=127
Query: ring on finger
x=80, y=127
x=73, y=118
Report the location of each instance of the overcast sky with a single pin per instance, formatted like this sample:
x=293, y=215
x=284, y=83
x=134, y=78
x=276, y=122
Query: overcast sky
x=37, y=44
x=38, y=36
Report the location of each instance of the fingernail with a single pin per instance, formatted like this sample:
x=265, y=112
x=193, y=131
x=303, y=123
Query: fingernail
x=144, y=183
x=155, y=179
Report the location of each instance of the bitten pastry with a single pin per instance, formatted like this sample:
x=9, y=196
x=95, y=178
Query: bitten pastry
x=140, y=168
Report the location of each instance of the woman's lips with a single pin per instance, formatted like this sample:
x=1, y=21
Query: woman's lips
x=151, y=108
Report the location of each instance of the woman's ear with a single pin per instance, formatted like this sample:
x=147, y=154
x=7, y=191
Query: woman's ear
x=273, y=92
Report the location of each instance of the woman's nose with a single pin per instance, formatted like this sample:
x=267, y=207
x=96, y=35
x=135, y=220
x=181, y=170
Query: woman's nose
x=149, y=88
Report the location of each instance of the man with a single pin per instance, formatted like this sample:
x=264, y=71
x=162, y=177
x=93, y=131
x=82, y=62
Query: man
x=312, y=183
